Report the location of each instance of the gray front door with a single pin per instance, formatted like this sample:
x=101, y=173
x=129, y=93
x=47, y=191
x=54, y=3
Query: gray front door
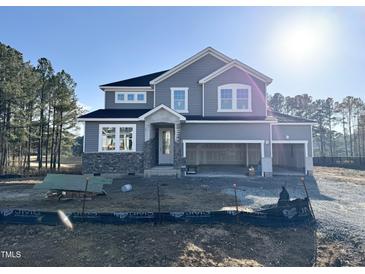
x=165, y=146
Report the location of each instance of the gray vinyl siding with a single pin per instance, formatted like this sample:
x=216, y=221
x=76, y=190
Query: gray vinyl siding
x=188, y=77
x=227, y=131
x=294, y=132
x=110, y=102
x=237, y=76
x=92, y=135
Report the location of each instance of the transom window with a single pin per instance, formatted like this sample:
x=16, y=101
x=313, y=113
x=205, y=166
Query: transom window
x=130, y=97
x=234, y=98
x=117, y=138
x=179, y=99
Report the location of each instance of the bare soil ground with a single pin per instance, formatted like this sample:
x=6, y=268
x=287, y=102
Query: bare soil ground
x=161, y=245
x=338, y=198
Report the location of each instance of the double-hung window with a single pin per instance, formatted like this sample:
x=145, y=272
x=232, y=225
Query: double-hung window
x=179, y=99
x=130, y=97
x=117, y=138
x=234, y=98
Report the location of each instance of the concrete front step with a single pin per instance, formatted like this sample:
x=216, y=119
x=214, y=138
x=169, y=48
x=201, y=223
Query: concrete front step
x=162, y=171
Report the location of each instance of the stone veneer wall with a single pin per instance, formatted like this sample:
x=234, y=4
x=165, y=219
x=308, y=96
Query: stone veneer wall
x=150, y=153
x=110, y=162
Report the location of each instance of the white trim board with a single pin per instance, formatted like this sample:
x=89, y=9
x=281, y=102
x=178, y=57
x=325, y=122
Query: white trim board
x=296, y=124
x=227, y=122
x=108, y=119
x=239, y=65
x=162, y=106
x=189, y=61
x=190, y=141
x=144, y=88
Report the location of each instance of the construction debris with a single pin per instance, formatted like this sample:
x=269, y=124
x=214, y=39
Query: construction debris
x=64, y=187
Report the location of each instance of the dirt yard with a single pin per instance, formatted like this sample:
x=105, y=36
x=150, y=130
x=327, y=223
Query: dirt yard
x=338, y=198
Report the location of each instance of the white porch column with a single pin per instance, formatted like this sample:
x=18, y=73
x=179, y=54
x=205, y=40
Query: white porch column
x=177, y=127
x=147, y=131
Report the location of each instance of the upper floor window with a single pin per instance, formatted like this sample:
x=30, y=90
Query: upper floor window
x=234, y=98
x=117, y=138
x=130, y=97
x=179, y=99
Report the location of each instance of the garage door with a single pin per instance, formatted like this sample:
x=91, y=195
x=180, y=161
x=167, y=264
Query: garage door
x=222, y=154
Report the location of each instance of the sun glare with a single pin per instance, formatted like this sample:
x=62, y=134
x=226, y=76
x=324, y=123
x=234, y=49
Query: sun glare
x=302, y=42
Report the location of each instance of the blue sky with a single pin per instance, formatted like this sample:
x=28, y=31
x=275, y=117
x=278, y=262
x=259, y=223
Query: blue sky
x=100, y=45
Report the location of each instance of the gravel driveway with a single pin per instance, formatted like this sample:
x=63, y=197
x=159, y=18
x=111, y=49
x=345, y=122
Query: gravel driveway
x=339, y=206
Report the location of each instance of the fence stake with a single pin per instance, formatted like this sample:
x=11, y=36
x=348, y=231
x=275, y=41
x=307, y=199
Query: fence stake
x=306, y=192
x=236, y=202
x=235, y=196
x=83, y=202
x=158, y=202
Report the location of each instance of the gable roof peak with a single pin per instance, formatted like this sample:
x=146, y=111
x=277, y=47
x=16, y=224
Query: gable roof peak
x=241, y=66
x=189, y=61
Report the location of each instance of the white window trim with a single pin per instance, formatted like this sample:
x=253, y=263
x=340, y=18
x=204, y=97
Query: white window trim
x=126, y=101
x=186, y=90
x=117, y=137
x=234, y=88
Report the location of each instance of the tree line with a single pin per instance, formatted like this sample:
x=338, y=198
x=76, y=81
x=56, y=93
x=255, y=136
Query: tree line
x=340, y=125
x=38, y=110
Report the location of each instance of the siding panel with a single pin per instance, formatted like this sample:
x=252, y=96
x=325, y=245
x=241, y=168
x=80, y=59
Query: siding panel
x=294, y=132
x=188, y=77
x=235, y=75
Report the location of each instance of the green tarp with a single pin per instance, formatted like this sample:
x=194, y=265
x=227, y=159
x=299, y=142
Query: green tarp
x=73, y=183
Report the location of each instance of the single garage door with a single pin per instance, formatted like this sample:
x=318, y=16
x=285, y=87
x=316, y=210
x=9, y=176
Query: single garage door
x=223, y=154
x=288, y=157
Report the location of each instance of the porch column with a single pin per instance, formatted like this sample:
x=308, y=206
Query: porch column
x=177, y=127
x=147, y=131
x=178, y=157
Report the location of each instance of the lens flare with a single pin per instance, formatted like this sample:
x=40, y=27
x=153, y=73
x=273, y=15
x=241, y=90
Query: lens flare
x=65, y=220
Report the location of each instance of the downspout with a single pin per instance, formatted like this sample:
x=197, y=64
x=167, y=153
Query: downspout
x=203, y=108
x=154, y=95
x=83, y=139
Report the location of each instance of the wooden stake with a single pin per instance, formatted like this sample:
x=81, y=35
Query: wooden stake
x=83, y=202
x=158, y=202
x=306, y=192
x=235, y=196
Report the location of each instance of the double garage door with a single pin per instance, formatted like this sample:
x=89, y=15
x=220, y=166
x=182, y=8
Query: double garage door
x=223, y=154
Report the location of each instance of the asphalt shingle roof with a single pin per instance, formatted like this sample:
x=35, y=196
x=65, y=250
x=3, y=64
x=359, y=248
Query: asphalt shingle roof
x=286, y=118
x=135, y=113
x=115, y=113
x=140, y=81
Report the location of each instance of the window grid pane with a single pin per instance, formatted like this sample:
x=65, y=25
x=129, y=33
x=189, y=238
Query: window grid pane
x=226, y=98
x=108, y=139
x=140, y=97
x=121, y=97
x=130, y=97
x=126, y=138
x=179, y=100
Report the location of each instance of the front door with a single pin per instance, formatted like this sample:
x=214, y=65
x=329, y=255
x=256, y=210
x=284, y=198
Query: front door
x=165, y=146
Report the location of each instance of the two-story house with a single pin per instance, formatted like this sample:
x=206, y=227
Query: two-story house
x=209, y=111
